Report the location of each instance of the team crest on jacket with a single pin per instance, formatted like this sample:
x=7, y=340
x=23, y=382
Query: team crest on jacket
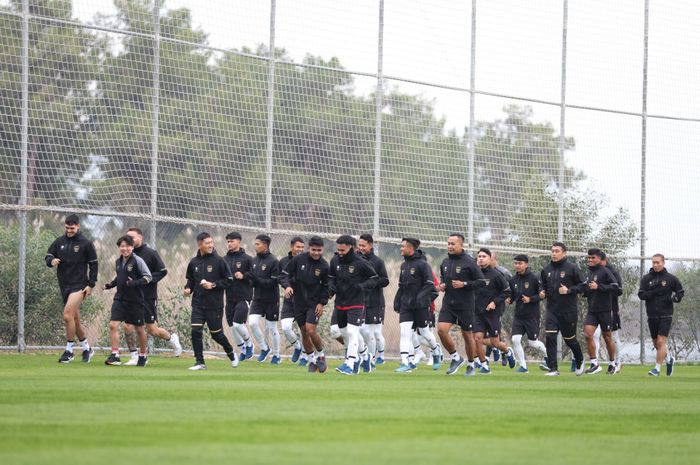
x=413, y=271
x=562, y=274
x=238, y=264
x=210, y=268
x=487, y=281
x=458, y=269
x=317, y=272
x=527, y=285
x=303, y=267
x=129, y=267
x=595, y=278
x=76, y=248
x=663, y=283
x=351, y=269
x=263, y=267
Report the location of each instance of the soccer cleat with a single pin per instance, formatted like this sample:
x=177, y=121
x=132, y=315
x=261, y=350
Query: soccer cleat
x=403, y=368
x=313, y=368
x=66, y=357
x=345, y=370
x=593, y=369
x=113, y=359
x=522, y=370
x=436, y=362
x=198, y=367
x=470, y=371
x=477, y=364
x=579, y=369
x=618, y=367
x=321, y=364
x=455, y=365
x=133, y=360
x=544, y=366
x=504, y=358
x=669, y=365
x=175, y=344
x=275, y=360
x=573, y=365
x=380, y=360
x=488, y=351
x=654, y=372
x=142, y=362
x=235, y=361
x=366, y=365
x=303, y=361
x=484, y=370
x=241, y=356
x=552, y=373
x=412, y=365
x=496, y=355
x=611, y=369
x=356, y=367
x=248, y=352
x=87, y=355
x=511, y=358
x=296, y=355
x=263, y=355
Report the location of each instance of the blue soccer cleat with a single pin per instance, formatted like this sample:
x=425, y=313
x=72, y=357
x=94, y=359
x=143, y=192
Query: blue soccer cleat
x=248, y=352
x=522, y=370
x=295, y=355
x=496, y=355
x=275, y=360
x=484, y=370
x=511, y=358
x=654, y=372
x=345, y=370
x=380, y=360
x=573, y=365
x=412, y=365
x=437, y=362
x=404, y=369
x=669, y=366
x=366, y=365
x=544, y=366
x=455, y=365
x=477, y=363
x=263, y=355
x=356, y=367
x=303, y=362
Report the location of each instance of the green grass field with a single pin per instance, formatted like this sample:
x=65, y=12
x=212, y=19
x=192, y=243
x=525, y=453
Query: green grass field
x=254, y=414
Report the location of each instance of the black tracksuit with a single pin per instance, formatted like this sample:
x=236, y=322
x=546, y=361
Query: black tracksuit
x=309, y=279
x=416, y=288
x=349, y=278
x=374, y=298
x=660, y=291
x=132, y=277
x=460, y=267
x=241, y=289
x=78, y=267
x=264, y=276
x=526, y=284
x=287, y=304
x=620, y=290
x=496, y=290
x=157, y=268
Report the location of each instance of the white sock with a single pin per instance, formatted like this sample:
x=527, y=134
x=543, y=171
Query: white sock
x=242, y=331
x=538, y=346
x=379, y=338
x=84, y=344
x=289, y=334
x=518, y=349
x=336, y=332
x=353, y=336
x=257, y=332
x=69, y=346
x=406, y=340
x=455, y=356
x=596, y=340
x=594, y=361
x=271, y=327
x=658, y=367
x=368, y=335
x=618, y=344
x=236, y=337
x=427, y=335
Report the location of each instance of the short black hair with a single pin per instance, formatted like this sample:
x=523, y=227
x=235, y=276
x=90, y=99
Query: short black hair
x=603, y=255
x=347, y=240
x=296, y=239
x=233, y=235
x=264, y=238
x=367, y=238
x=72, y=219
x=595, y=252
x=126, y=238
x=415, y=243
x=485, y=250
x=561, y=245
x=203, y=235
x=315, y=241
x=521, y=258
x=136, y=230
x=660, y=255
x=461, y=236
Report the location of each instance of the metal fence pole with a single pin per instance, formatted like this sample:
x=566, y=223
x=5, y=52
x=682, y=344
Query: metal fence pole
x=154, y=121
x=379, y=97
x=270, y=118
x=21, y=278
x=562, y=122
x=471, y=139
x=643, y=196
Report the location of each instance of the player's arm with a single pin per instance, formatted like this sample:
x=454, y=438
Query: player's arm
x=51, y=254
x=678, y=291
x=225, y=276
x=91, y=258
x=383, y=275
x=505, y=290
x=428, y=287
x=143, y=271
x=371, y=276
x=159, y=270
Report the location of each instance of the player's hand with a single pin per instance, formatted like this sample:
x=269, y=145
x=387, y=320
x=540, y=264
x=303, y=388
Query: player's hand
x=55, y=262
x=508, y=301
x=187, y=292
x=442, y=287
x=525, y=299
x=206, y=284
x=107, y=286
x=288, y=292
x=542, y=294
x=593, y=285
x=457, y=284
x=319, y=310
x=563, y=290
x=238, y=275
x=491, y=306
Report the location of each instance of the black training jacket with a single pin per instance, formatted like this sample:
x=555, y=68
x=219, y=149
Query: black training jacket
x=496, y=290
x=131, y=280
x=620, y=289
x=552, y=276
x=155, y=265
x=241, y=289
x=599, y=300
x=349, y=279
x=374, y=298
x=308, y=278
x=213, y=268
x=416, y=285
x=526, y=284
x=284, y=261
x=78, y=267
x=660, y=291
x=460, y=267
x=264, y=276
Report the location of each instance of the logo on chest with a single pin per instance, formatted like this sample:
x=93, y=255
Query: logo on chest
x=210, y=268
x=562, y=274
x=238, y=264
x=351, y=269
x=527, y=286
x=413, y=271
x=458, y=269
x=317, y=272
x=76, y=248
x=129, y=267
x=263, y=267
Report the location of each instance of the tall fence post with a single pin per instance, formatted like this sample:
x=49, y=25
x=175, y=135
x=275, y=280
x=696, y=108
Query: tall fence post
x=270, y=118
x=22, y=271
x=471, y=139
x=562, y=122
x=643, y=196
x=379, y=97
x=155, y=115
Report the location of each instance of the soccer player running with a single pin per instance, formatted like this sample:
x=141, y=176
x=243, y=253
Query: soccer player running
x=74, y=257
x=560, y=283
x=239, y=295
x=264, y=275
x=305, y=278
x=459, y=278
x=599, y=287
x=525, y=293
x=616, y=315
x=350, y=277
x=129, y=305
x=296, y=246
x=150, y=293
x=412, y=302
x=371, y=330
x=207, y=276
x=659, y=289
x=490, y=303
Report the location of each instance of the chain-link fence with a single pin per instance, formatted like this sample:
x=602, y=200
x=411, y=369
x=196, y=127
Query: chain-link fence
x=514, y=123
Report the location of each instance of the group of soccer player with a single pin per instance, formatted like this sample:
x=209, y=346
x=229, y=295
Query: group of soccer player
x=242, y=290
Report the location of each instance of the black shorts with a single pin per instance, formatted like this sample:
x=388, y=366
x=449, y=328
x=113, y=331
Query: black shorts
x=270, y=310
x=463, y=317
x=353, y=316
x=564, y=323
x=128, y=312
x=660, y=326
x=305, y=315
x=66, y=292
x=287, y=309
x=529, y=326
x=488, y=323
x=419, y=316
x=374, y=315
x=150, y=314
x=237, y=311
x=604, y=319
x=212, y=317
x=617, y=323
x=334, y=316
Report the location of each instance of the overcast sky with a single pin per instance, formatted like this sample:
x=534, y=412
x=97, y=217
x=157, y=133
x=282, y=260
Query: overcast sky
x=519, y=53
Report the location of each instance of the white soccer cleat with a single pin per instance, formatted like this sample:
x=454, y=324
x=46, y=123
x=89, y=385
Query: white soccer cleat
x=234, y=362
x=133, y=361
x=418, y=357
x=198, y=367
x=175, y=344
